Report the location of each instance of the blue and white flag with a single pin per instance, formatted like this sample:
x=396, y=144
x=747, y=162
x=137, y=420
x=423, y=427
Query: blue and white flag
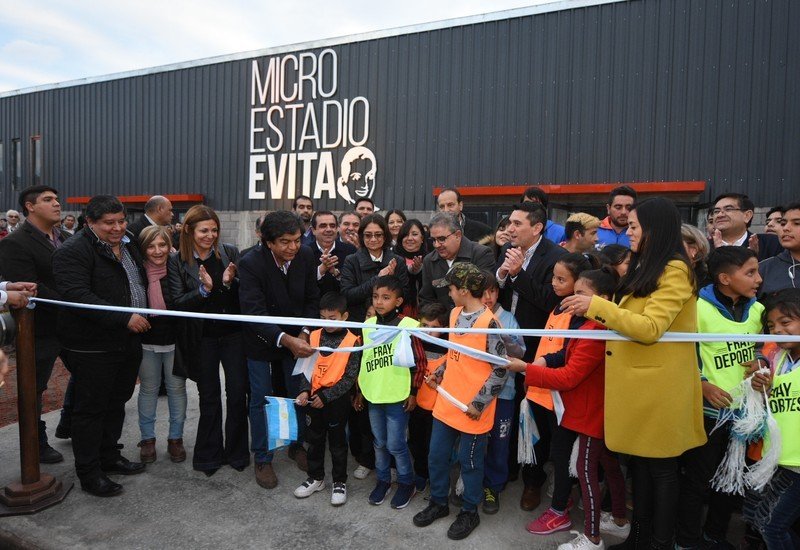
x=279, y=412
x=528, y=434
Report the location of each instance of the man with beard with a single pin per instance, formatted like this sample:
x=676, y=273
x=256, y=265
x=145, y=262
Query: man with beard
x=614, y=226
x=304, y=207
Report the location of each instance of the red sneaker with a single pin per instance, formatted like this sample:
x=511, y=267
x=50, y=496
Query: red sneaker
x=549, y=522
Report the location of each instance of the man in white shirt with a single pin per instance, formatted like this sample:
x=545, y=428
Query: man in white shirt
x=13, y=218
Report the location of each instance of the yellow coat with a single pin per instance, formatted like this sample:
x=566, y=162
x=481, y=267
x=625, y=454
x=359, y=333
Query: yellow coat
x=653, y=397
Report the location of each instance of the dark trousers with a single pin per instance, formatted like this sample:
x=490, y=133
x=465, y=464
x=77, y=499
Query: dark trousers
x=330, y=420
x=495, y=467
x=561, y=443
x=103, y=384
x=697, y=468
x=656, y=490
x=533, y=475
x=210, y=451
x=47, y=350
x=361, y=440
x=592, y=453
x=420, y=423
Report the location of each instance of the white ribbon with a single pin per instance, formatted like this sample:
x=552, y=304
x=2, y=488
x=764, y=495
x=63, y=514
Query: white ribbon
x=458, y=404
x=607, y=335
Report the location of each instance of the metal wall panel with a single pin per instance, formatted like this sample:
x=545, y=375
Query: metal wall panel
x=646, y=90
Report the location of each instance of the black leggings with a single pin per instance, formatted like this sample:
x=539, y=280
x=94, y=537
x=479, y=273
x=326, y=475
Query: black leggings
x=656, y=490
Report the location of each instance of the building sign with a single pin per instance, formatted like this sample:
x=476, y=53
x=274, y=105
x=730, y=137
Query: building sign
x=299, y=124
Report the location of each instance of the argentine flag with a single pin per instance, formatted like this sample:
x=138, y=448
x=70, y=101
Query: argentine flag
x=281, y=418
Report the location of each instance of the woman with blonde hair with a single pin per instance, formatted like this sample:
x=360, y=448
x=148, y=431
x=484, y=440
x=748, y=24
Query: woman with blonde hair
x=202, y=277
x=158, y=353
x=697, y=248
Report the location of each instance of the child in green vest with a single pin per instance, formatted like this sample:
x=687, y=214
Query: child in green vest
x=775, y=510
x=728, y=305
x=390, y=392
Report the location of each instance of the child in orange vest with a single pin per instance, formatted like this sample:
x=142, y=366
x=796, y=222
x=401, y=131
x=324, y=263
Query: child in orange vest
x=431, y=315
x=554, y=443
x=473, y=383
x=581, y=381
x=327, y=401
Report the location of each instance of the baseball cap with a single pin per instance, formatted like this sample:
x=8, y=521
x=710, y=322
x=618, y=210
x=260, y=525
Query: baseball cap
x=463, y=275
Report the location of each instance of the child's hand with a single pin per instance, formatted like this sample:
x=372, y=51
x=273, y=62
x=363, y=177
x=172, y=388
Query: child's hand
x=715, y=395
x=754, y=365
x=761, y=382
x=472, y=412
x=316, y=402
x=410, y=404
x=432, y=381
x=516, y=365
x=358, y=402
x=302, y=399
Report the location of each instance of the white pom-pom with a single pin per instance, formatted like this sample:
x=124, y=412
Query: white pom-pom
x=729, y=477
x=573, y=459
x=528, y=435
x=760, y=473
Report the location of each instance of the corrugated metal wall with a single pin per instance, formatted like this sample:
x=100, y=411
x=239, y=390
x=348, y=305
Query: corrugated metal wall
x=647, y=90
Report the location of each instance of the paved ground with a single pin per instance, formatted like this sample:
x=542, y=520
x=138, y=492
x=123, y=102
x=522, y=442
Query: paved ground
x=53, y=397
x=172, y=506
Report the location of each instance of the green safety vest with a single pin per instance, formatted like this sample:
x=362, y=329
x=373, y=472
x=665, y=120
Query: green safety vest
x=784, y=403
x=721, y=361
x=379, y=379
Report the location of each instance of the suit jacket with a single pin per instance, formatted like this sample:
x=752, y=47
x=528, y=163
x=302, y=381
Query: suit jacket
x=769, y=245
x=137, y=226
x=329, y=283
x=534, y=287
x=27, y=255
x=653, y=397
x=435, y=267
x=475, y=230
x=265, y=290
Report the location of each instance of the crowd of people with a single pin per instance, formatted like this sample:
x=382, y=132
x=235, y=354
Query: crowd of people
x=637, y=410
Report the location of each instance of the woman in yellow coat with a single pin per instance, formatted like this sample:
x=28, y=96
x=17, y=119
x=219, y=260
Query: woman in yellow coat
x=653, y=397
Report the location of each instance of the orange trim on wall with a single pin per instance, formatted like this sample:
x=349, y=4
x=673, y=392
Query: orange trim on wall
x=141, y=199
x=580, y=188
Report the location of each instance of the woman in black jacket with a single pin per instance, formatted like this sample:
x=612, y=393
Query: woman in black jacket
x=373, y=259
x=202, y=277
x=158, y=353
x=412, y=246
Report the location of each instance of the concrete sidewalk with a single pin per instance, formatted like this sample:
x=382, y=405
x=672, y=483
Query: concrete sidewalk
x=172, y=506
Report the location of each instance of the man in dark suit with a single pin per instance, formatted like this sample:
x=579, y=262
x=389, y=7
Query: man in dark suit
x=157, y=211
x=279, y=279
x=525, y=273
x=732, y=214
x=27, y=255
x=450, y=246
x=450, y=201
x=329, y=252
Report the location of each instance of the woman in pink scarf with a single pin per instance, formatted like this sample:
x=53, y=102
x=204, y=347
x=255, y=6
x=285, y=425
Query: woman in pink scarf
x=158, y=353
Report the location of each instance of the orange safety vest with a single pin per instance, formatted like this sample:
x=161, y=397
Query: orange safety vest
x=549, y=344
x=426, y=397
x=330, y=368
x=464, y=377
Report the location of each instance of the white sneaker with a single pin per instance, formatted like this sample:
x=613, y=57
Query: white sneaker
x=309, y=487
x=361, y=472
x=609, y=527
x=339, y=493
x=581, y=542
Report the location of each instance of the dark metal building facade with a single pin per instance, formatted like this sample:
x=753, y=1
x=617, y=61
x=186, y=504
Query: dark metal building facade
x=635, y=91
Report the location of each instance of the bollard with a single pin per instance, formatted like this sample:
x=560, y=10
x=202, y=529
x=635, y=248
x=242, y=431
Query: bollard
x=35, y=491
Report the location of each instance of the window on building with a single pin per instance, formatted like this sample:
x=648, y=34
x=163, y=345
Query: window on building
x=16, y=164
x=36, y=160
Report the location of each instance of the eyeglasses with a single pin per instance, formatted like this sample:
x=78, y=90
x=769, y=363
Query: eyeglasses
x=726, y=209
x=373, y=236
x=442, y=240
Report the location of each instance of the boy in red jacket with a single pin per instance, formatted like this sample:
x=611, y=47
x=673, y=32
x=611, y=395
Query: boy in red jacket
x=581, y=382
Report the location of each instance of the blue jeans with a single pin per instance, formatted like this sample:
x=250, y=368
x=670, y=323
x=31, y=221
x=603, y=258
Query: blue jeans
x=153, y=364
x=777, y=508
x=495, y=474
x=470, y=454
x=389, y=422
x=260, y=373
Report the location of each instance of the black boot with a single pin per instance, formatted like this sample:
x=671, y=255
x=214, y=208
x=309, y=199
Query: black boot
x=638, y=538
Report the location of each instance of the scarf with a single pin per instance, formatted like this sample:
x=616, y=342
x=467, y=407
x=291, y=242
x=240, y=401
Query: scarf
x=154, y=275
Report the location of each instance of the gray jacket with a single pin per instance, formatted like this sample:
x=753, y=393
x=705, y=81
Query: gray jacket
x=775, y=273
x=435, y=267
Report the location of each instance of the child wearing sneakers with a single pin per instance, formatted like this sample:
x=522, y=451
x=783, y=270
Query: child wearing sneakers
x=495, y=470
x=727, y=306
x=431, y=315
x=390, y=392
x=475, y=384
x=581, y=381
x=326, y=399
